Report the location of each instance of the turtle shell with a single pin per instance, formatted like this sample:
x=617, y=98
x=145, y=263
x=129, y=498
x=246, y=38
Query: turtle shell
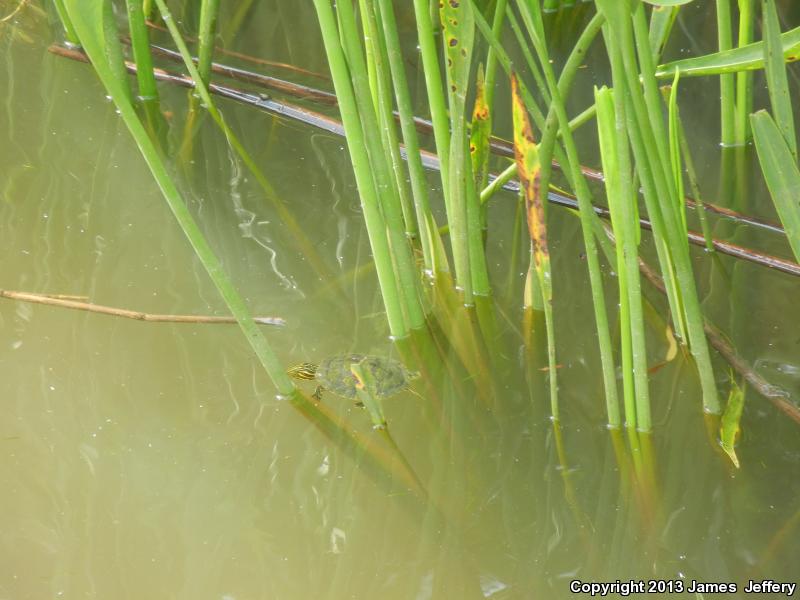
x=390, y=376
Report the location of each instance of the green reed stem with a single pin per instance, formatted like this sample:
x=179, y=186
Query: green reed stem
x=675, y=220
x=691, y=173
x=405, y=269
x=148, y=92
x=433, y=84
x=434, y=258
x=497, y=184
x=491, y=59
x=479, y=272
x=376, y=226
x=726, y=82
x=511, y=171
x=622, y=197
x=660, y=195
x=530, y=62
x=234, y=24
x=369, y=51
x=571, y=66
x=635, y=113
x=530, y=104
x=744, y=79
x=696, y=195
x=457, y=215
x=657, y=146
x=116, y=58
x=140, y=42
x=66, y=22
x=209, y=9
x=652, y=96
x=558, y=90
x=777, y=80
x=382, y=94
x=463, y=211
x=675, y=150
x=516, y=246
x=662, y=20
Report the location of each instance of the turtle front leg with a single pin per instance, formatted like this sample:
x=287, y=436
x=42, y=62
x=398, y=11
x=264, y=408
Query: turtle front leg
x=317, y=395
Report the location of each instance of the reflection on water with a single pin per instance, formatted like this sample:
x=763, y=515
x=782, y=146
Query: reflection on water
x=147, y=460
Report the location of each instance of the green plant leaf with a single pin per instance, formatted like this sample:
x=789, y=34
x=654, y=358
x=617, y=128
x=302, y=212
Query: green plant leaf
x=729, y=424
x=667, y=2
x=746, y=58
x=781, y=174
x=459, y=35
x=777, y=82
x=661, y=21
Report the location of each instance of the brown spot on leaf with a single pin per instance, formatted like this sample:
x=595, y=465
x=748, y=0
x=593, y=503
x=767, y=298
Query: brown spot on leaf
x=453, y=42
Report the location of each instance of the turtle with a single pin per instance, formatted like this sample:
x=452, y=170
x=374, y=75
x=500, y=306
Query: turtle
x=334, y=374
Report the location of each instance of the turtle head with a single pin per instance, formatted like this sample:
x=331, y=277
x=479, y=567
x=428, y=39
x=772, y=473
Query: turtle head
x=412, y=375
x=303, y=371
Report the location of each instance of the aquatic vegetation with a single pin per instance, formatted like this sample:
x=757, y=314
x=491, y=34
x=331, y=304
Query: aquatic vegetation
x=551, y=211
x=641, y=142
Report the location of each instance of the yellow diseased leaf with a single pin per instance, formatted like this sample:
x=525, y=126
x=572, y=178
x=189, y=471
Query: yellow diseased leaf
x=526, y=154
x=480, y=131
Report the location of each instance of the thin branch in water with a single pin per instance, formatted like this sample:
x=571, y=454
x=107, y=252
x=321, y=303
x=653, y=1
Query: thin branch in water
x=249, y=58
x=65, y=302
x=294, y=89
x=773, y=393
x=10, y=16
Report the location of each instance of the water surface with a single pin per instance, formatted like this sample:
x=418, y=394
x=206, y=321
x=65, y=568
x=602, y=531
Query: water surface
x=150, y=460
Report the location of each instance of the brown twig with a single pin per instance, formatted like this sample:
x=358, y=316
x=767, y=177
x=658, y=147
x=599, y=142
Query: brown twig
x=248, y=58
x=265, y=81
x=63, y=302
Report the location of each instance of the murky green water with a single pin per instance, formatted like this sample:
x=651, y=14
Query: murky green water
x=151, y=460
